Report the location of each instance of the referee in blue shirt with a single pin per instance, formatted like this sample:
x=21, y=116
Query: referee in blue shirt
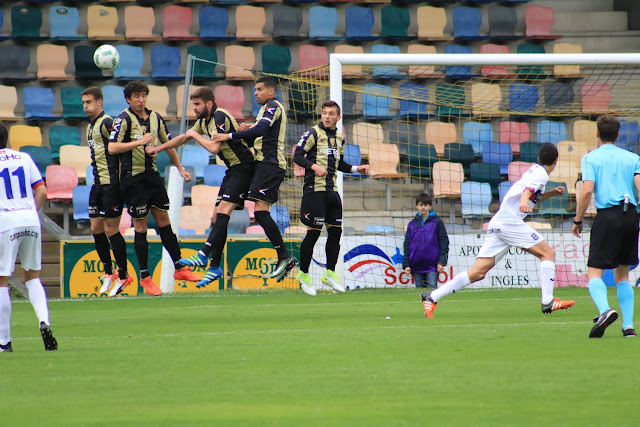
x=609, y=173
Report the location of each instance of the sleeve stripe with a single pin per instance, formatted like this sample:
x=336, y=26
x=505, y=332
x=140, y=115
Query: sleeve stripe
x=37, y=183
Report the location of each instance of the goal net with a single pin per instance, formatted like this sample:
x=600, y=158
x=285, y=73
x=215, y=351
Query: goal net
x=460, y=128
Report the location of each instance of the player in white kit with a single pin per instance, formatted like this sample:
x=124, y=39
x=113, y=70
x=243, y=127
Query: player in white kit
x=22, y=193
x=507, y=229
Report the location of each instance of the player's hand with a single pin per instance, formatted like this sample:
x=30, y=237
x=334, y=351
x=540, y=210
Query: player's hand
x=220, y=137
x=576, y=230
x=363, y=169
x=152, y=151
x=319, y=170
x=186, y=175
x=440, y=268
x=558, y=191
x=243, y=127
x=525, y=208
x=191, y=133
x=146, y=138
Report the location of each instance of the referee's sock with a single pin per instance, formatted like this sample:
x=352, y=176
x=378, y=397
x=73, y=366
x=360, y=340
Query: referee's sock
x=598, y=291
x=625, y=298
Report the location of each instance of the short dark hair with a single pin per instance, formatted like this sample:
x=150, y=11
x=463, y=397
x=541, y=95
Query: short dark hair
x=548, y=154
x=135, y=86
x=269, y=82
x=94, y=91
x=331, y=104
x=423, y=198
x=203, y=93
x=4, y=135
x=608, y=128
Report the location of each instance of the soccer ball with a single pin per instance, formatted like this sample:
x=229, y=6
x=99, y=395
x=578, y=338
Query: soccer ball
x=106, y=57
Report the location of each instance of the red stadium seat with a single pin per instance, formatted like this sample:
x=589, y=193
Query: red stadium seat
x=514, y=133
x=539, y=21
x=595, y=97
x=177, y=22
x=232, y=98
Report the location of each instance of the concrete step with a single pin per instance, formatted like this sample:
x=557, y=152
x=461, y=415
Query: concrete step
x=617, y=42
x=573, y=5
x=592, y=22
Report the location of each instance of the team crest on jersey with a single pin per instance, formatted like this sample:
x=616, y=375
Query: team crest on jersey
x=270, y=110
x=221, y=128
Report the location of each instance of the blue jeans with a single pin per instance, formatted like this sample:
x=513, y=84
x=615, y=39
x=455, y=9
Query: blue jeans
x=424, y=280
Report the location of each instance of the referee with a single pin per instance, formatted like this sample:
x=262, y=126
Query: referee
x=609, y=173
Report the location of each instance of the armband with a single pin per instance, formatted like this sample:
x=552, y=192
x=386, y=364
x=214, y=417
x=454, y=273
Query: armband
x=577, y=222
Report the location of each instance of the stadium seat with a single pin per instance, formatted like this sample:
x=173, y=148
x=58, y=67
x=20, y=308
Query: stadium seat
x=378, y=228
x=486, y=99
x=523, y=97
x=476, y=134
x=214, y=174
x=90, y=178
x=165, y=62
x=61, y=181
x=447, y=178
x=502, y=23
x=14, y=62
x=514, y=133
x=310, y=56
x=62, y=135
x=591, y=209
x=359, y=22
x=421, y=158
x=26, y=23
x=386, y=71
x=240, y=60
x=39, y=103
x=516, y=169
x=138, y=24
x=405, y=133
x=204, y=195
x=63, y=23
x=296, y=229
x=41, y=157
x=251, y=207
x=567, y=71
x=353, y=156
x=595, y=97
x=196, y=156
x=206, y=68
x=233, y=99
x=351, y=71
x=539, y=21
x=456, y=152
x=83, y=61
x=250, y=23
x=214, y=22
x=486, y=172
x=567, y=172
x=413, y=101
x=239, y=221
x=395, y=24
x=2, y=36
x=628, y=135
x=362, y=134
x=551, y=131
x=322, y=24
x=466, y=23
x=158, y=101
x=280, y=215
x=572, y=152
x=449, y=94
x=21, y=135
x=80, y=201
x=529, y=151
x=52, y=61
x=476, y=198
x=102, y=22
x=530, y=72
x=554, y=206
x=377, y=100
x=439, y=134
x=495, y=71
x=276, y=59
x=113, y=100
x=498, y=153
x=77, y=157
x=130, y=64
x=585, y=131
x=177, y=22
x=287, y=21
x=162, y=161
x=503, y=188
x=195, y=218
x=422, y=71
x=558, y=98
x=432, y=22
x=187, y=186
x=8, y=103
x=255, y=229
x=384, y=160
x=458, y=72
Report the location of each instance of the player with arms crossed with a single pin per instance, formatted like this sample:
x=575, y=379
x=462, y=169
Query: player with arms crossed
x=320, y=152
x=267, y=138
x=141, y=185
x=105, y=203
x=507, y=229
x=235, y=153
x=609, y=172
x=22, y=193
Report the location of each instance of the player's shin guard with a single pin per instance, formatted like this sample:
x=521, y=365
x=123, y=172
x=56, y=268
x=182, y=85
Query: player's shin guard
x=332, y=248
x=598, y=291
x=170, y=242
x=625, y=298
x=547, y=279
x=120, y=253
x=141, y=246
x=273, y=233
x=219, y=232
x=5, y=315
x=102, y=247
x=306, y=249
x=38, y=300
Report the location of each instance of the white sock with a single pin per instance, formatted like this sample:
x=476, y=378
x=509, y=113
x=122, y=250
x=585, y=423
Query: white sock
x=38, y=300
x=5, y=316
x=547, y=279
x=452, y=286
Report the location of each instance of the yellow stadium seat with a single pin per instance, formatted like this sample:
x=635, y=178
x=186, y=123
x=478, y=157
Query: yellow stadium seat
x=77, y=157
x=21, y=135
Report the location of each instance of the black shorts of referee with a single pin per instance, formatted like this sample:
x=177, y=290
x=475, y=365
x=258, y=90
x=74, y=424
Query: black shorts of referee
x=614, y=238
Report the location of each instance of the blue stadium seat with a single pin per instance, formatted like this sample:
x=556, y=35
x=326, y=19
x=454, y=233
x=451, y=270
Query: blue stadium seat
x=359, y=22
x=353, y=156
x=523, y=97
x=377, y=100
x=551, y=131
x=90, y=179
x=41, y=157
x=322, y=23
x=62, y=135
x=456, y=152
x=403, y=134
x=466, y=23
x=287, y=21
x=64, y=22
x=477, y=134
x=503, y=188
x=502, y=23
x=386, y=71
x=554, y=206
x=165, y=61
x=486, y=172
x=196, y=156
x=39, y=103
x=413, y=109
x=558, y=97
x=131, y=62
x=214, y=174
x=81, y=203
x=476, y=198
x=14, y=62
x=378, y=228
x=498, y=153
x=162, y=161
x=1, y=25
x=113, y=100
x=186, y=232
x=628, y=135
x=280, y=215
x=458, y=71
x=239, y=221
x=213, y=24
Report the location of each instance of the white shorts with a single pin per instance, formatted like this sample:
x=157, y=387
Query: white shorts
x=501, y=237
x=25, y=241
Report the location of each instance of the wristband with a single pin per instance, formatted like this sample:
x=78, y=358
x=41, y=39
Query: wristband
x=354, y=169
x=577, y=222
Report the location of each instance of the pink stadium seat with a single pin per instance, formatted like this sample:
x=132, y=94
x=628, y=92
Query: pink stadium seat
x=539, y=21
x=595, y=97
x=514, y=133
x=176, y=23
x=310, y=56
x=498, y=71
x=516, y=169
x=251, y=207
x=255, y=229
x=232, y=98
x=60, y=183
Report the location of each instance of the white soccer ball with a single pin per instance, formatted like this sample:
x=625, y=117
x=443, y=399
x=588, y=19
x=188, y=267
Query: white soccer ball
x=106, y=57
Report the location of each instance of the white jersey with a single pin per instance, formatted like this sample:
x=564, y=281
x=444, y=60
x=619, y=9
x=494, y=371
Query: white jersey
x=18, y=177
x=535, y=179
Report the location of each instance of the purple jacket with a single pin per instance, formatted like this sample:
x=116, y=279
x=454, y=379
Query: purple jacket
x=426, y=244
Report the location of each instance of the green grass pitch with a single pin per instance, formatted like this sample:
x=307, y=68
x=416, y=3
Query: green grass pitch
x=488, y=358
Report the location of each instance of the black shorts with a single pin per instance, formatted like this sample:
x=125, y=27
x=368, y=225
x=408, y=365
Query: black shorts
x=320, y=208
x=235, y=185
x=143, y=191
x=105, y=201
x=266, y=183
x=614, y=238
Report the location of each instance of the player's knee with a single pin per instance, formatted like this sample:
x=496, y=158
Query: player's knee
x=334, y=232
